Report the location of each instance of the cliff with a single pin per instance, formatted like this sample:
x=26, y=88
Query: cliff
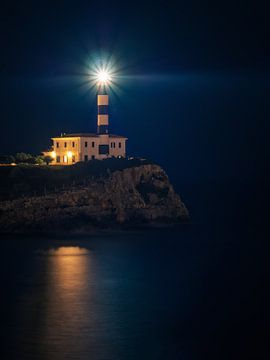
x=131, y=195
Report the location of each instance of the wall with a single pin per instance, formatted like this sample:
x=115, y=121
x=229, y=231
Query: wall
x=89, y=150
x=62, y=151
x=116, y=151
x=72, y=154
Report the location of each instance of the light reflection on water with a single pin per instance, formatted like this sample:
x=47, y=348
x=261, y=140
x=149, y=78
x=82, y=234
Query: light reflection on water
x=149, y=297
x=69, y=273
x=113, y=298
x=67, y=251
x=99, y=300
x=84, y=302
x=69, y=315
x=59, y=315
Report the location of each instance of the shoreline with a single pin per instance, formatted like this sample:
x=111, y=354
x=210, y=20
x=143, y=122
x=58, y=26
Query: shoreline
x=122, y=230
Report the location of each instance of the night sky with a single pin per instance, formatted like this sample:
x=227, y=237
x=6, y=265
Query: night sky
x=193, y=85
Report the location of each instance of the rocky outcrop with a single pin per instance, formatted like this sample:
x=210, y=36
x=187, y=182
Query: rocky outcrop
x=135, y=195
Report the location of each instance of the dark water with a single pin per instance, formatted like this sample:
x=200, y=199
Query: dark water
x=196, y=292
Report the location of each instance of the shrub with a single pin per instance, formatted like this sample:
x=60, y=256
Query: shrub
x=23, y=158
x=7, y=159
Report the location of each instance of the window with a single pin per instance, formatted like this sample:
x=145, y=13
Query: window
x=103, y=149
x=85, y=157
x=58, y=159
x=120, y=145
x=57, y=144
x=93, y=144
x=111, y=145
x=73, y=158
x=85, y=144
x=93, y=157
x=65, y=158
x=73, y=144
x=65, y=144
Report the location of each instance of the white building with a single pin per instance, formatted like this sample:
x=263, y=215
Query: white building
x=71, y=148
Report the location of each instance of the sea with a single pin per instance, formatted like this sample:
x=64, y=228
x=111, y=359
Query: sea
x=195, y=291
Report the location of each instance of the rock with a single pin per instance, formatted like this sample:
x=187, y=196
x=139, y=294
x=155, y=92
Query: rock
x=135, y=195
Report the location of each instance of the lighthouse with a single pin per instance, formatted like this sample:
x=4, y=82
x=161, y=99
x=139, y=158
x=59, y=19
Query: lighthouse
x=69, y=149
x=103, y=123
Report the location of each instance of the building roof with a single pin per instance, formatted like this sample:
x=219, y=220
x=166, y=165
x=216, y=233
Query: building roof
x=86, y=135
x=117, y=136
x=63, y=136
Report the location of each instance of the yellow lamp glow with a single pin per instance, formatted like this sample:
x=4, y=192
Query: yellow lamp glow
x=69, y=154
x=53, y=154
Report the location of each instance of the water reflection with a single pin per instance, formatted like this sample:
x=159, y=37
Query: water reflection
x=68, y=271
x=67, y=251
x=70, y=280
x=75, y=303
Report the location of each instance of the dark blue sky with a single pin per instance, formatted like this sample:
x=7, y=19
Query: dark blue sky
x=195, y=86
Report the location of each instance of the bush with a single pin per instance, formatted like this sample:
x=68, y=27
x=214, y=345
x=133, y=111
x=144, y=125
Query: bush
x=7, y=159
x=47, y=159
x=23, y=158
x=40, y=160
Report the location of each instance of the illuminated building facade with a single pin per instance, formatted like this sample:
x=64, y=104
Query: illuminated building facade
x=71, y=148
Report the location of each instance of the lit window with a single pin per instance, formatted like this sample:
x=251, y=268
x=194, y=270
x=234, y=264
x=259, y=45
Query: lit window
x=65, y=158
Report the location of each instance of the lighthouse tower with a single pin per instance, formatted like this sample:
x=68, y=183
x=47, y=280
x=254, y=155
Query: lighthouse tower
x=103, y=123
x=69, y=149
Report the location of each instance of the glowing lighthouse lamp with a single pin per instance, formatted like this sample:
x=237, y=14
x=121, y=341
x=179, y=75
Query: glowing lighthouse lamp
x=103, y=77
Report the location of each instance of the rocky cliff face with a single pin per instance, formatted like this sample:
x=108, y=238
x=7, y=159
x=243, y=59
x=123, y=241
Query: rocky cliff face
x=141, y=194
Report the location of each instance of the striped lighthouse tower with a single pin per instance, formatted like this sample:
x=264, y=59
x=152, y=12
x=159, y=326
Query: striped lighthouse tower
x=103, y=123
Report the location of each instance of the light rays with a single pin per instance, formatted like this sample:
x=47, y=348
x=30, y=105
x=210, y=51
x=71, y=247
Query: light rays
x=103, y=77
x=102, y=72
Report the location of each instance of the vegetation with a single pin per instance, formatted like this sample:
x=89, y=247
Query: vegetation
x=24, y=158
x=7, y=159
x=27, y=179
x=21, y=158
x=47, y=159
